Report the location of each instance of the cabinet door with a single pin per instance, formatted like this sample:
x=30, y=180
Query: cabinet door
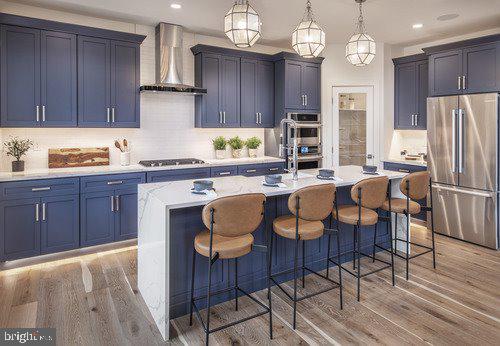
x=19, y=229
x=231, y=91
x=482, y=68
x=59, y=217
x=58, y=79
x=405, y=95
x=126, y=214
x=125, y=80
x=20, y=76
x=293, y=88
x=211, y=80
x=249, y=90
x=94, y=79
x=97, y=218
x=311, y=88
x=265, y=93
x=444, y=71
x=422, y=71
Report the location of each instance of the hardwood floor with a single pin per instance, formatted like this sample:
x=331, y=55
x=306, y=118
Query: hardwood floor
x=93, y=300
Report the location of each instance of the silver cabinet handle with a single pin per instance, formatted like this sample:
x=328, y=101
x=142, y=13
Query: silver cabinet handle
x=43, y=211
x=251, y=171
x=256, y=118
x=112, y=199
x=37, y=212
x=459, y=83
x=453, y=139
x=463, y=83
x=273, y=169
x=116, y=182
x=112, y=114
x=43, y=113
x=413, y=120
x=220, y=117
x=460, y=141
x=305, y=97
x=35, y=189
x=117, y=203
x=416, y=119
x=225, y=173
x=107, y=114
x=224, y=115
x=303, y=100
x=37, y=113
x=403, y=170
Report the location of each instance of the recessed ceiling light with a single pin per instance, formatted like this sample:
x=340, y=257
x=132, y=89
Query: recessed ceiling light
x=448, y=16
x=417, y=26
x=175, y=6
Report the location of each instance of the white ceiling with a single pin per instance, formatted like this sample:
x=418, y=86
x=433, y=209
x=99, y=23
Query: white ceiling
x=386, y=20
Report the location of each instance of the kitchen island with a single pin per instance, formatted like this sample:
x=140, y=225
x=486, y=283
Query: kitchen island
x=170, y=217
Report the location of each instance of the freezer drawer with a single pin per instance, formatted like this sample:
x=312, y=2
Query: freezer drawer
x=466, y=214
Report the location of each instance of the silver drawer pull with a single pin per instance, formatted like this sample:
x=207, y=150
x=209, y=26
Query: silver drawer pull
x=35, y=189
x=44, y=212
x=225, y=173
x=117, y=203
x=117, y=182
x=112, y=200
x=404, y=170
x=37, y=212
x=251, y=170
x=273, y=169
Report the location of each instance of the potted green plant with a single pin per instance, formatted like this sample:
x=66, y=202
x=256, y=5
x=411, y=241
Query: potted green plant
x=253, y=143
x=220, y=144
x=236, y=144
x=17, y=148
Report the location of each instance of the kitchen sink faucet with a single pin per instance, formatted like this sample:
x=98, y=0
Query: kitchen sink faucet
x=286, y=146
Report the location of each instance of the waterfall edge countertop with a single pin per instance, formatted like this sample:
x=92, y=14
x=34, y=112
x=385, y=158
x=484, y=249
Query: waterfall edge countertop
x=51, y=173
x=407, y=162
x=177, y=194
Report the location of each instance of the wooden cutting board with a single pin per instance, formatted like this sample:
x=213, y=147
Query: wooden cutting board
x=78, y=157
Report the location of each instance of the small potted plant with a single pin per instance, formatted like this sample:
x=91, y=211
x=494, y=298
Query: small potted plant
x=220, y=144
x=17, y=148
x=253, y=143
x=236, y=144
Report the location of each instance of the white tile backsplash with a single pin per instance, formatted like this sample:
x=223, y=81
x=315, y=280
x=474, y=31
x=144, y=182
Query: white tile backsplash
x=414, y=141
x=167, y=120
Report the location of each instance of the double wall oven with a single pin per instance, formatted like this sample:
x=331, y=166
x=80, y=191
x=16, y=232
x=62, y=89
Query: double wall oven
x=308, y=136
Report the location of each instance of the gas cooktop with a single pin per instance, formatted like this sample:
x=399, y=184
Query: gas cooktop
x=170, y=162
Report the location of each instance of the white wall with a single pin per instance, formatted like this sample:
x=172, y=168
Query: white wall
x=167, y=120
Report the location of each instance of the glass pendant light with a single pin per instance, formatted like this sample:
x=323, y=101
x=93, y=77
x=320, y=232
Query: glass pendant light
x=242, y=24
x=360, y=49
x=308, y=39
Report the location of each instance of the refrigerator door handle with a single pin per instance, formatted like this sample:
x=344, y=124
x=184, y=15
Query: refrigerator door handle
x=453, y=139
x=462, y=191
x=460, y=141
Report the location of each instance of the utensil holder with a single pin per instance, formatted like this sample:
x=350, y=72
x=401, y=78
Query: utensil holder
x=125, y=158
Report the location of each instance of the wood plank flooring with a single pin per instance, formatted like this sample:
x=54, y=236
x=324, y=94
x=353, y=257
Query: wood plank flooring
x=94, y=300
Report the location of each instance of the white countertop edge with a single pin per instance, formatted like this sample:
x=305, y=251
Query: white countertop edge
x=53, y=173
x=407, y=162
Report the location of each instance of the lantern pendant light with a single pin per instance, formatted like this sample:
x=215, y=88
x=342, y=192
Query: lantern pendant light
x=360, y=49
x=242, y=24
x=308, y=39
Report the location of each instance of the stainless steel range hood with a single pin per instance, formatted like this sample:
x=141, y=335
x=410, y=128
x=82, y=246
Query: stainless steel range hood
x=169, y=62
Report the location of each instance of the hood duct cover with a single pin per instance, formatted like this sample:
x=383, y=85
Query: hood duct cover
x=169, y=65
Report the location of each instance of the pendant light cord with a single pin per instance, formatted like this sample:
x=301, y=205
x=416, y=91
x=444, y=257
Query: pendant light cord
x=361, y=23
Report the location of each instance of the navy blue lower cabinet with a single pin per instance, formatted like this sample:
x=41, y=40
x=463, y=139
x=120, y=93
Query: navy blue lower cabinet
x=261, y=169
x=19, y=228
x=178, y=174
x=97, y=218
x=60, y=223
x=223, y=171
x=125, y=214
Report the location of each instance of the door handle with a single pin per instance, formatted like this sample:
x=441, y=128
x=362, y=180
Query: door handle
x=37, y=212
x=116, y=182
x=460, y=141
x=43, y=113
x=112, y=114
x=260, y=118
x=453, y=139
x=111, y=198
x=251, y=170
x=413, y=120
x=459, y=83
x=117, y=203
x=463, y=83
x=225, y=173
x=273, y=169
x=403, y=170
x=220, y=117
x=465, y=192
x=108, y=117
x=224, y=116
x=256, y=118
x=305, y=97
x=43, y=211
x=37, y=113
x=35, y=189
x=416, y=119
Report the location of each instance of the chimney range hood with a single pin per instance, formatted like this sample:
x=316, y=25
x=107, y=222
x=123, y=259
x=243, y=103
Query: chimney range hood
x=169, y=62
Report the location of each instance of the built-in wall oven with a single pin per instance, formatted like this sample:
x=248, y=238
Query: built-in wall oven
x=308, y=139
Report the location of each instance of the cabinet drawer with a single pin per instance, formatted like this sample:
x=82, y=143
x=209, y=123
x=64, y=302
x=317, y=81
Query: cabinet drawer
x=38, y=188
x=261, y=169
x=178, y=174
x=111, y=181
x=401, y=167
x=223, y=171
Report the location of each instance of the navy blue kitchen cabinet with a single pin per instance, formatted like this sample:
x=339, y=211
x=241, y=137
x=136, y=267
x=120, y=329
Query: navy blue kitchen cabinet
x=294, y=98
x=108, y=207
x=38, y=76
x=223, y=171
x=257, y=90
x=470, y=66
x=410, y=92
x=20, y=76
x=261, y=169
x=230, y=91
x=311, y=86
x=178, y=174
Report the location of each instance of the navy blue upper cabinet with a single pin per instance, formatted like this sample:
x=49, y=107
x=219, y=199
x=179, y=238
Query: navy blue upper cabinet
x=410, y=92
x=125, y=77
x=294, y=97
x=257, y=90
x=311, y=86
x=20, y=76
x=230, y=91
x=469, y=66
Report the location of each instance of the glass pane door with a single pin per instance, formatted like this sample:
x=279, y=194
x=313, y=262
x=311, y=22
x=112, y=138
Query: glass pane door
x=352, y=129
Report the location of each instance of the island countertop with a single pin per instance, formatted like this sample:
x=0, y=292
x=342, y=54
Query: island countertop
x=177, y=194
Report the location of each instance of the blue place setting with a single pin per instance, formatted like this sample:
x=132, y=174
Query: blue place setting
x=370, y=170
x=273, y=180
x=202, y=187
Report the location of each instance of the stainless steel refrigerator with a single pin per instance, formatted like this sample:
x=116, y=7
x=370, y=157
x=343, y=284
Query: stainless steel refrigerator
x=462, y=147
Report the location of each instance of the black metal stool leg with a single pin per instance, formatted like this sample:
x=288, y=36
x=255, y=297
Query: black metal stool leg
x=192, y=289
x=395, y=232
x=358, y=241
x=374, y=242
x=207, y=332
x=389, y=228
x=328, y=254
x=236, y=283
x=295, y=282
x=269, y=261
x=407, y=243
x=340, y=270
x=354, y=247
x=303, y=263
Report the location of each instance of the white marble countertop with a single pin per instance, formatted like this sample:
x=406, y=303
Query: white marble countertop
x=177, y=194
x=408, y=162
x=48, y=173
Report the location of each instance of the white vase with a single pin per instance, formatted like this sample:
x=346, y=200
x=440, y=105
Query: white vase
x=236, y=153
x=220, y=154
x=252, y=153
x=125, y=158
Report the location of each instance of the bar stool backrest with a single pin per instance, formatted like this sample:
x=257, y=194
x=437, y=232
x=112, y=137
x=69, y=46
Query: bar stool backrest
x=235, y=215
x=418, y=185
x=373, y=192
x=315, y=202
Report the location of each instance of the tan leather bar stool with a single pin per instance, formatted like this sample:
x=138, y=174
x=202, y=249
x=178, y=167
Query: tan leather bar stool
x=230, y=222
x=309, y=207
x=369, y=195
x=414, y=186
